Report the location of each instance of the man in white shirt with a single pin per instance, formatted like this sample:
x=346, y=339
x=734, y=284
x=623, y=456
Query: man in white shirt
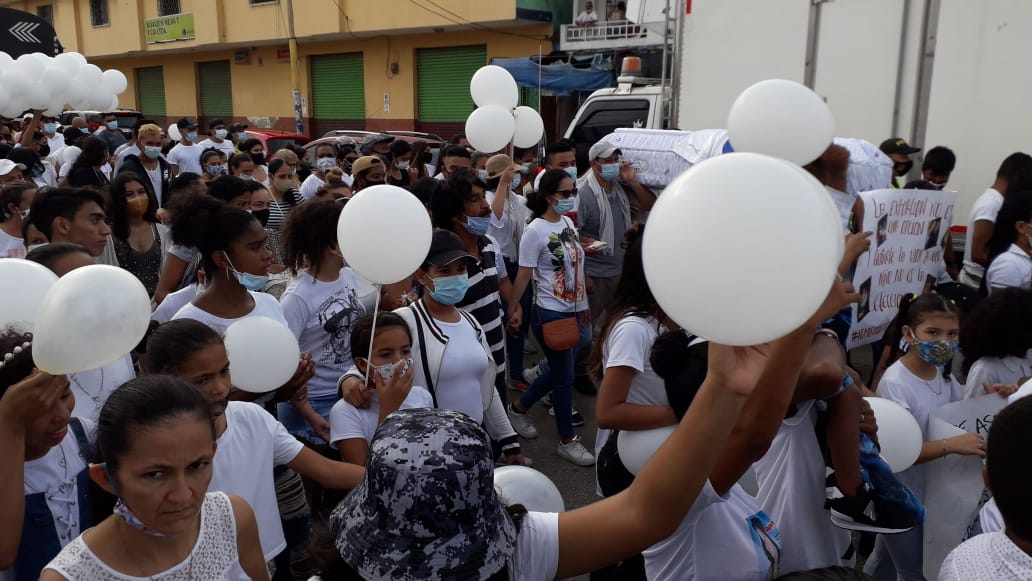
x=1015, y=169
x=218, y=133
x=588, y=17
x=186, y=155
x=1003, y=554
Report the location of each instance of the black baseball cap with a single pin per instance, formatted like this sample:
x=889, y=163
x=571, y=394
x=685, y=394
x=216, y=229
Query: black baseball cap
x=215, y=123
x=186, y=123
x=446, y=247
x=897, y=145
x=237, y=127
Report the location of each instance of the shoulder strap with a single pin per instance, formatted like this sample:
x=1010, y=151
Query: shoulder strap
x=80, y=438
x=422, y=356
x=476, y=326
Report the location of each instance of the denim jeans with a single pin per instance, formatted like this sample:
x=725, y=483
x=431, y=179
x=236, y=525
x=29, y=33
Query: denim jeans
x=903, y=552
x=514, y=344
x=558, y=377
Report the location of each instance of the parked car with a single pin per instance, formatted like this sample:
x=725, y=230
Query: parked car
x=409, y=136
x=126, y=118
x=274, y=141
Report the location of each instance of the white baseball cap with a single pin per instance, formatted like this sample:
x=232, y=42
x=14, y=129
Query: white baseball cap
x=7, y=165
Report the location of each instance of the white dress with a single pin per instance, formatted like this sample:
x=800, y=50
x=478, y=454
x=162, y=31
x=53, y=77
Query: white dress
x=213, y=557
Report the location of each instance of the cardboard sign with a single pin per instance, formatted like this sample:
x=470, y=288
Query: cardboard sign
x=911, y=229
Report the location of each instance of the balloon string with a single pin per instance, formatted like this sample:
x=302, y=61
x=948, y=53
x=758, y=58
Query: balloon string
x=372, y=333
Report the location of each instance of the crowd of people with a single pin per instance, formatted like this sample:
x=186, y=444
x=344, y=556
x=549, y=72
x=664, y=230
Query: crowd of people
x=375, y=460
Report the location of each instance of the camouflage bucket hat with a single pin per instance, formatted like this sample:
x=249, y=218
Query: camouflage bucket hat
x=427, y=507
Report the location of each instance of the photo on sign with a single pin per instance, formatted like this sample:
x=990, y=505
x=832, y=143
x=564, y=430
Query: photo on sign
x=865, y=300
x=930, y=282
x=933, y=233
x=883, y=229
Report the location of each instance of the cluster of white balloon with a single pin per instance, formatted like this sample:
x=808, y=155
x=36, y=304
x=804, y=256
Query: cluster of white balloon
x=38, y=81
x=498, y=119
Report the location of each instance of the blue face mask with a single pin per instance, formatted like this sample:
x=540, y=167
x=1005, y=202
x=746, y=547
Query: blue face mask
x=37, y=171
x=252, y=282
x=477, y=226
x=85, y=130
x=482, y=174
x=572, y=172
x=565, y=206
x=192, y=137
x=449, y=290
x=515, y=183
x=610, y=171
x=50, y=127
x=112, y=125
x=937, y=353
x=152, y=151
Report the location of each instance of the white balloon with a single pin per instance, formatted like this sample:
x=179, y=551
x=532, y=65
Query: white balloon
x=526, y=486
x=67, y=63
x=115, y=81
x=23, y=284
x=781, y=118
x=529, y=127
x=70, y=153
x=55, y=81
x=898, y=433
x=490, y=128
x=90, y=317
x=92, y=77
x=384, y=233
x=98, y=97
x=28, y=65
x=636, y=447
x=5, y=97
x=758, y=232
x=493, y=85
x=77, y=57
x=5, y=60
x=17, y=82
x=263, y=354
x=112, y=105
x=173, y=132
x=76, y=95
x=37, y=96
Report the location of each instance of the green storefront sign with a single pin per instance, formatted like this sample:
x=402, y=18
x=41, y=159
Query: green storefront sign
x=169, y=28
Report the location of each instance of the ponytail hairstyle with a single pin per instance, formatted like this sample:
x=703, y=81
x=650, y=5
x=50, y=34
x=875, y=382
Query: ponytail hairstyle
x=537, y=201
x=209, y=225
x=172, y=344
x=631, y=298
x=914, y=310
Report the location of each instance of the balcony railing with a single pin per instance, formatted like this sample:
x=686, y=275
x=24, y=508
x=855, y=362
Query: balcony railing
x=609, y=34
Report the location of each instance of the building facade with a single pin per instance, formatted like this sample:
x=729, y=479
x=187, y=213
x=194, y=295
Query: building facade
x=361, y=64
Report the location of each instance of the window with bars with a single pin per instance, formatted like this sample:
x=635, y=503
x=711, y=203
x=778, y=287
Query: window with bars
x=99, y=13
x=169, y=7
x=46, y=13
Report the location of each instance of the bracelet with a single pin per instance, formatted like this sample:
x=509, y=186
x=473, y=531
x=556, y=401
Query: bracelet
x=945, y=452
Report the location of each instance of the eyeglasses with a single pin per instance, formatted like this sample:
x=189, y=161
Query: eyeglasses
x=567, y=193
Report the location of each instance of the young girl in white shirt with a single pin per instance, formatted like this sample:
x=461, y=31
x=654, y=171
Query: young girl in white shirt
x=996, y=340
x=921, y=383
x=1010, y=248
x=390, y=361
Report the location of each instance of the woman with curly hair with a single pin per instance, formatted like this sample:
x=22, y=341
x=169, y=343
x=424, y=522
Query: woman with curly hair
x=995, y=340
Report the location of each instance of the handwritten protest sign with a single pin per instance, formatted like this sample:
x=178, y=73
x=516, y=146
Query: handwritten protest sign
x=910, y=233
x=954, y=490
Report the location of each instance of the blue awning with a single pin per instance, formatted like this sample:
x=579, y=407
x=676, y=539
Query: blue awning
x=556, y=77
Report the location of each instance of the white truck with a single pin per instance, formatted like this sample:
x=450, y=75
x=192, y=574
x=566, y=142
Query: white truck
x=935, y=72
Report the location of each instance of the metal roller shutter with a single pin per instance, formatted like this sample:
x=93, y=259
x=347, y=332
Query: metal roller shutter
x=215, y=91
x=150, y=91
x=338, y=92
x=442, y=85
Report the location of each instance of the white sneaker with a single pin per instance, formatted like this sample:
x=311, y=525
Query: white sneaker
x=532, y=373
x=522, y=423
x=575, y=452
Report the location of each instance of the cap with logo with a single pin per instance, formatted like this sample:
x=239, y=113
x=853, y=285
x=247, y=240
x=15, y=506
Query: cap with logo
x=602, y=150
x=186, y=123
x=894, y=145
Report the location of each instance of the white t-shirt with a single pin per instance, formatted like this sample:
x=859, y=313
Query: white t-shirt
x=348, y=422
x=253, y=444
x=1011, y=268
x=989, y=517
x=321, y=315
x=154, y=175
x=225, y=147
x=56, y=474
x=462, y=366
x=508, y=229
x=537, y=547
x=791, y=478
x=92, y=388
x=10, y=246
x=66, y=168
x=186, y=157
x=722, y=537
x=264, y=306
x=55, y=141
x=919, y=397
x=173, y=302
x=994, y=370
x=553, y=251
x=986, y=207
x=310, y=186
x=988, y=557
x=629, y=344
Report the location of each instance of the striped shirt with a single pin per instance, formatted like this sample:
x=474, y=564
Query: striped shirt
x=482, y=300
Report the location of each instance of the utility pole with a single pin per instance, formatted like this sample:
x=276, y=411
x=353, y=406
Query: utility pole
x=295, y=74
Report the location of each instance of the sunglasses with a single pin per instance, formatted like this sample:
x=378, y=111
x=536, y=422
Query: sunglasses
x=567, y=193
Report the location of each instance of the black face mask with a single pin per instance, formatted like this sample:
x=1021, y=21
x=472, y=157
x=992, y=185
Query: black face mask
x=347, y=165
x=258, y=159
x=901, y=168
x=262, y=216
